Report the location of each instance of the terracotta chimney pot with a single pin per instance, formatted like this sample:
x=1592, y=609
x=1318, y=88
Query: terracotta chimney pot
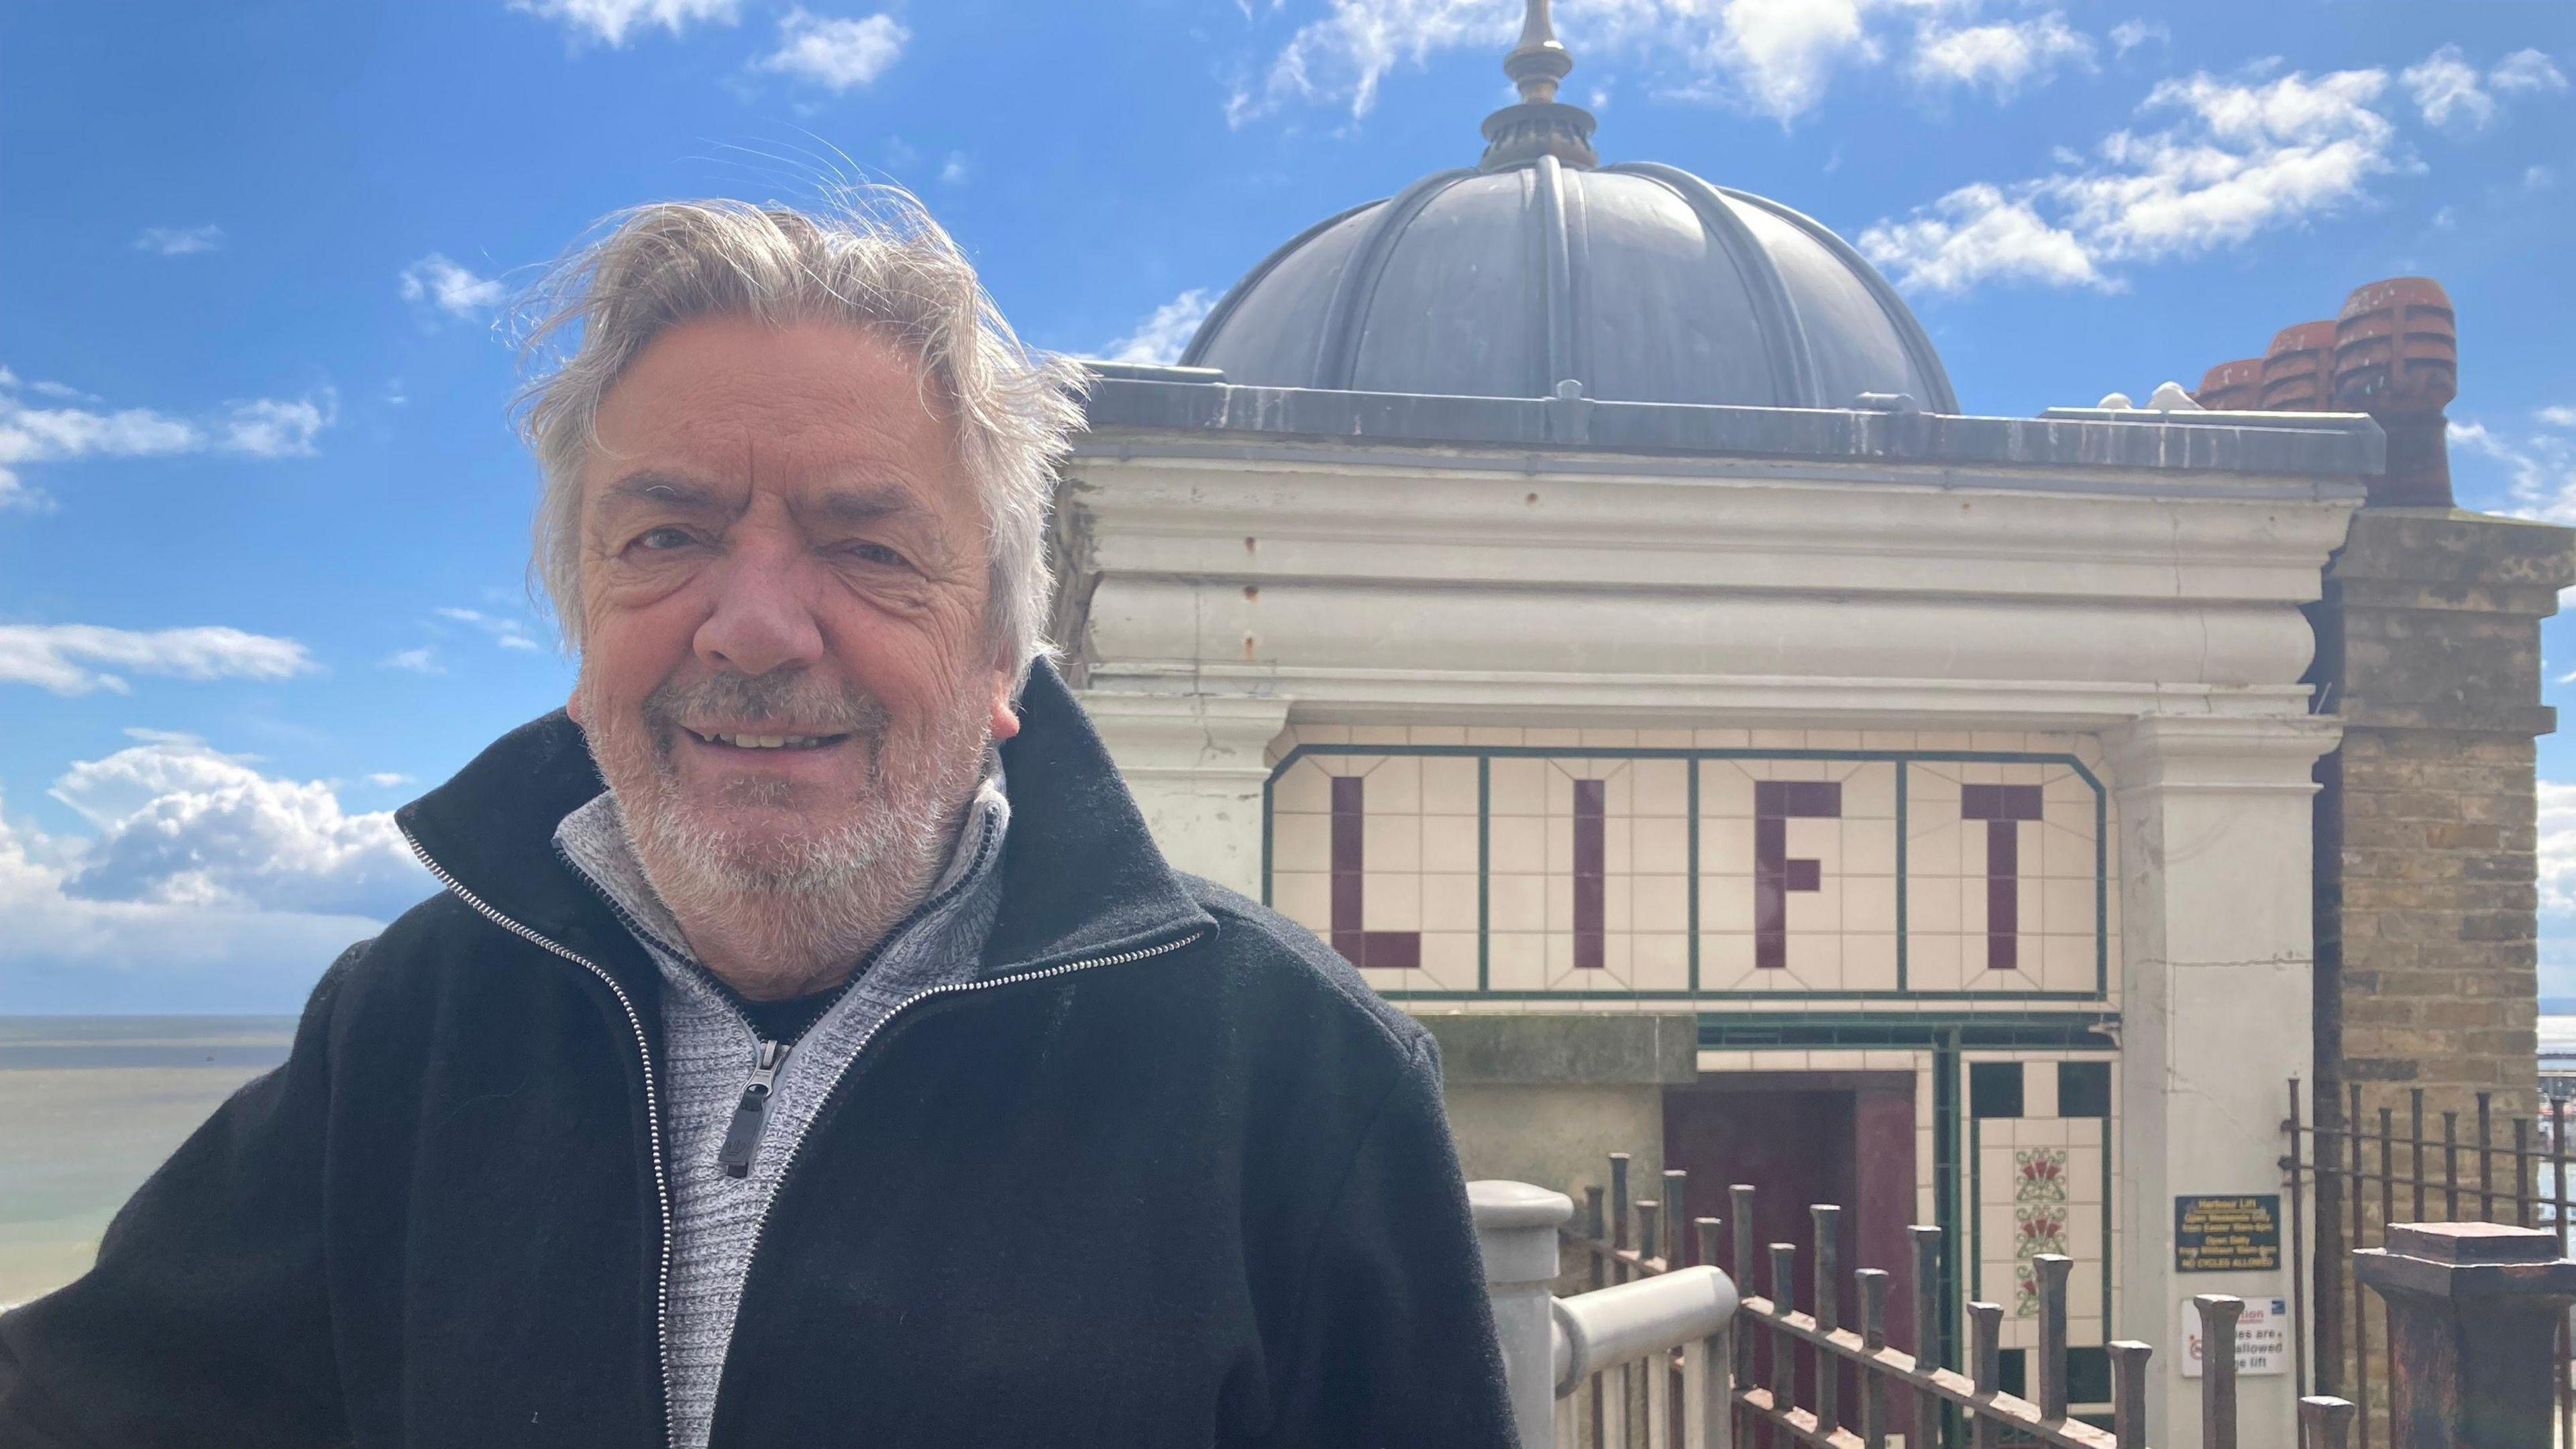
x=2298, y=369
x=2397, y=358
x=2232, y=387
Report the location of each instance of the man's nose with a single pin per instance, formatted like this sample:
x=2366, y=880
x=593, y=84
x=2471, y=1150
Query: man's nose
x=762, y=619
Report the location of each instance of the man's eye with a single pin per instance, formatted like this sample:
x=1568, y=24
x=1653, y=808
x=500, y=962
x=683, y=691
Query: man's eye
x=872, y=553
x=662, y=540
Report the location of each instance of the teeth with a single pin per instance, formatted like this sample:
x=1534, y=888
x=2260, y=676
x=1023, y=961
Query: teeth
x=766, y=742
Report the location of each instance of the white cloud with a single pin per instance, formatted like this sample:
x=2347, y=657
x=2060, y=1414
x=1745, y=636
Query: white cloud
x=2557, y=416
x=2539, y=469
x=2526, y=70
x=390, y=779
x=2450, y=92
x=179, y=241
x=268, y=428
x=2557, y=846
x=612, y=21
x=837, y=54
x=75, y=953
x=1775, y=58
x=259, y=427
x=1160, y=337
x=181, y=824
x=423, y=660
x=1999, y=58
x=2238, y=158
x=2538, y=178
x=956, y=170
x=207, y=885
x=507, y=632
x=2128, y=35
x=1978, y=234
x=71, y=659
x=434, y=281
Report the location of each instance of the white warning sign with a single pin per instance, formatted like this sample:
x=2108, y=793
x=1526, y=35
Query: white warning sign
x=2262, y=1338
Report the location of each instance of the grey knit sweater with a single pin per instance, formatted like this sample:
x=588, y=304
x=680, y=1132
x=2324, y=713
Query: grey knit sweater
x=710, y=1051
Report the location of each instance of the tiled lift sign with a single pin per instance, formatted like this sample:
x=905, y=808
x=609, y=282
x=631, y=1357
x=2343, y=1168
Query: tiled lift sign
x=2240, y=1234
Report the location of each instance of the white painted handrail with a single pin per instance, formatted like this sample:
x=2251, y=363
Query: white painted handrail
x=1612, y=1326
x=1624, y=1333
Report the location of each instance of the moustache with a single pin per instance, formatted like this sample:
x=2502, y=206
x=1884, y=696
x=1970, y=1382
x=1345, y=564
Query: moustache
x=758, y=699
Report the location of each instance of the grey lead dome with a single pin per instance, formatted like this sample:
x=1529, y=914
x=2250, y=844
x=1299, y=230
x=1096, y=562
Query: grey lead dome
x=1641, y=282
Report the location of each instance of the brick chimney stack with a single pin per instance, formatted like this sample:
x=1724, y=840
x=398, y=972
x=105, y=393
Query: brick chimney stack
x=2397, y=358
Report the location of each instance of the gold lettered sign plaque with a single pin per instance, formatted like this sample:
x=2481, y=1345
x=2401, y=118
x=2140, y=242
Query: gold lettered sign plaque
x=2227, y=1234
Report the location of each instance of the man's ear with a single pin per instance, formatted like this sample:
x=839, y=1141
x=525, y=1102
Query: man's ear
x=1006, y=715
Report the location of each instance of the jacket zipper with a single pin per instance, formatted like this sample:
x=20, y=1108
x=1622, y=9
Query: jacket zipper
x=652, y=1102
x=787, y=1164
x=751, y=1115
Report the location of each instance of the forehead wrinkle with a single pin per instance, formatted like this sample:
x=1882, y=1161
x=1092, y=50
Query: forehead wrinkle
x=658, y=488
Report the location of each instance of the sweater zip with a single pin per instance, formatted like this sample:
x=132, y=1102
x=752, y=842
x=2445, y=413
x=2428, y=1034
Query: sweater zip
x=751, y=1115
x=652, y=1100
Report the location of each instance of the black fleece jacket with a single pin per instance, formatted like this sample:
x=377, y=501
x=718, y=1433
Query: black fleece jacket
x=1166, y=1173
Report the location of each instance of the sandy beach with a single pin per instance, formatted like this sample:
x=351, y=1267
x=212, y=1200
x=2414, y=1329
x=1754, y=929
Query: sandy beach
x=89, y=1106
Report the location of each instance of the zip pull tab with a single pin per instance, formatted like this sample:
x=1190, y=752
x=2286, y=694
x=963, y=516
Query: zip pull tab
x=751, y=1115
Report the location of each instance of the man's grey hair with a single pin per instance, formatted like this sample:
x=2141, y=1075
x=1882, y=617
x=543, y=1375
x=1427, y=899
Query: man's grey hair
x=874, y=259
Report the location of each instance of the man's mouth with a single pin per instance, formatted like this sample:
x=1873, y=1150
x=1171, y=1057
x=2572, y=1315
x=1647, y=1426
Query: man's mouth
x=740, y=740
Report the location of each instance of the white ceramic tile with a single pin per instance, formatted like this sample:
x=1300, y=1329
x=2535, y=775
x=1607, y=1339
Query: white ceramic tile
x=1869, y=962
x=1720, y=739
x=1515, y=961
x=1305, y=897
x=1518, y=902
x=1449, y=843
x=1869, y=792
x=1391, y=902
x=1660, y=903
x=1448, y=785
x=1493, y=734
x=1449, y=960
x=1449, y=903
x=1391, y=843
x=1518, y=843
x=1659, y=847
x=1394, y=786
x=1304, y=789
x=1869, y=905
x=1436, y=734
x=1868, y=848
x=1660, y=961
x=1519, y=786
x=1377, y=734
x=1301, y=842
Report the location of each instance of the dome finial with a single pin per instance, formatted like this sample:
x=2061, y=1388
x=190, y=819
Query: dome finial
x=1539, y=125
x=1540, y=60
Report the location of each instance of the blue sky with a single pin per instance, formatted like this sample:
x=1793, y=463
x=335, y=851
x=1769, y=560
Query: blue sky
x=262, y=521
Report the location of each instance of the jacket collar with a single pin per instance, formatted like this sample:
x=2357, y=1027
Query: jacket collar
x=1080, y=875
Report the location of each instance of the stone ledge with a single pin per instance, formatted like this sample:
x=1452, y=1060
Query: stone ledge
x=1567, y=1050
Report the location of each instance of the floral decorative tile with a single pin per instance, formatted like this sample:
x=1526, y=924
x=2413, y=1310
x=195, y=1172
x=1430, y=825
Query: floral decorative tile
x=2036, y=1230
x=2039, y=1174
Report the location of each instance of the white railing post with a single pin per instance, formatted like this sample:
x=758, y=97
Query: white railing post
x=1516, y=1227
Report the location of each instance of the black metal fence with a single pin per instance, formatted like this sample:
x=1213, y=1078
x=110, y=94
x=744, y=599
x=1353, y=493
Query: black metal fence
x=2368, y=1164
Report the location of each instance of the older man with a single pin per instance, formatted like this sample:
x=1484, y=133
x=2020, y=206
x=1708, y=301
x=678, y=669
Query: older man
x=810, y=1046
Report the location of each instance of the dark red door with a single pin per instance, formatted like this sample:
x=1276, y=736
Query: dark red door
x=1800, y=1138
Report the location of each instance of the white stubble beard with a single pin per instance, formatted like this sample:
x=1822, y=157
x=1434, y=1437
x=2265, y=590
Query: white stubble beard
x=788, y=913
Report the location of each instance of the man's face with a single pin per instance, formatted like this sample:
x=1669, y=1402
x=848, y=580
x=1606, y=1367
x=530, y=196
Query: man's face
x=788, y=677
